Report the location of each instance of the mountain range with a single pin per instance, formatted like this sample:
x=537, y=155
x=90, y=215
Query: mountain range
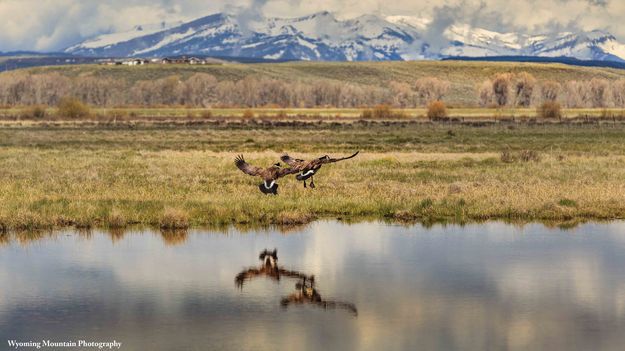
x=323, y=37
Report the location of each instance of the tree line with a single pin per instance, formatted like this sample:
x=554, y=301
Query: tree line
x=205, y=90
x=524, y=90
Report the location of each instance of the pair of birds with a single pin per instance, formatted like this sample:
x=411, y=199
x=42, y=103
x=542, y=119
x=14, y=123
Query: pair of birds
x=306, y=170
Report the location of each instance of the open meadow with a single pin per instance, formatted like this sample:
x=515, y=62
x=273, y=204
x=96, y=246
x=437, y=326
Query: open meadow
x=179, y=175
x=113, y=146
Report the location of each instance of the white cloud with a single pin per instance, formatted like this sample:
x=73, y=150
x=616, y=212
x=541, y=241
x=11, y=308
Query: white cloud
x=55, y=24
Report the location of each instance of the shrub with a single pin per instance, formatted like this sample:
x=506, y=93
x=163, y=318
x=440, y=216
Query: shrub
x=71, y=107
x=207, y=114
x=367, y=114
x=550, y=109
x=382, y=111
x=37, y=112
x=248, y=114
x=437, y=109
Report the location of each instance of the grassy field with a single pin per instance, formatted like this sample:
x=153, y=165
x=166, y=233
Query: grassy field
x=174, y=176
x=463, y=75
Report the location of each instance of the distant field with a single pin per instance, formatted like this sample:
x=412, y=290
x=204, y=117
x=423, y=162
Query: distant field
x=312, y=113
x=462, y=75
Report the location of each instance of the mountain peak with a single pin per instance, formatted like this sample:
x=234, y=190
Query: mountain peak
x=321, y=36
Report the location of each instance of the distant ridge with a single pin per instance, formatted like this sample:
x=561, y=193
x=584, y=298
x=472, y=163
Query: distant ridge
x=538, y=59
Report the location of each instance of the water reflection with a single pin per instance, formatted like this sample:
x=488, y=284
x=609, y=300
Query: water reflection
x=268, y=268
x=483, y=286
x=174, y=237
x=305, y=290
x=179, y=236
x=4, y=239
x=306, y=293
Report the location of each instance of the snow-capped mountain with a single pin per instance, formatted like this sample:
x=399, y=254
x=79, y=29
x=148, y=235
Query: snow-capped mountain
x=321, y=36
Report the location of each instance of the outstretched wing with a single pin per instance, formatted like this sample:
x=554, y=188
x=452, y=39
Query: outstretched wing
x=291, y=161
x=246, y=167
x=286, y=171
x=248, y=274
x=332, y=160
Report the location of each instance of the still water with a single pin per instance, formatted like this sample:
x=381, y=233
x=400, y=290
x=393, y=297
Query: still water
x=334, y=286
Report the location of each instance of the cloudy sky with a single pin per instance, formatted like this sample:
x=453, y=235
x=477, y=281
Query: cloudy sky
x=48, y=25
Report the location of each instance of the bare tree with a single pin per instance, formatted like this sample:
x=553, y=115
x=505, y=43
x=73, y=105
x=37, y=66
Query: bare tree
x=501, y=88
x=576, y=94
x=403, y=95
x=431, y=89
x=200, y=90
x=618, y=92
x=599, y=92
x=485, y=93
x=550, y=91
x=524, y=84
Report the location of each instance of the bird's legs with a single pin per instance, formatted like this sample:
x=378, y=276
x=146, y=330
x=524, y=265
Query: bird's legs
x=312, y=182
x=304, y=184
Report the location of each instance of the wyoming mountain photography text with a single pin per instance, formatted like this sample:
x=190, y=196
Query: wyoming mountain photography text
x=337, y=175
x=48, y=344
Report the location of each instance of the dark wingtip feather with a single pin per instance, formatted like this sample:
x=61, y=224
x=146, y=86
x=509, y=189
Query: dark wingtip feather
x=239, y=160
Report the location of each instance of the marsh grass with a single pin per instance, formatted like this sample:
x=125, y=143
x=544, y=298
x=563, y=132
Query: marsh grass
x=174, y=219
x=178, y=177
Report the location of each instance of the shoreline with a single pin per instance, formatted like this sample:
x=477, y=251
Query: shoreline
x=173, y=236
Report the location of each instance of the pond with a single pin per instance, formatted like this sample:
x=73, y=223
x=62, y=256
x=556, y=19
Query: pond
x=334, y=286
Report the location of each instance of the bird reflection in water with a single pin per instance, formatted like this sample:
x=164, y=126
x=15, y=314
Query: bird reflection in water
x=305, y=290
x=269, y=268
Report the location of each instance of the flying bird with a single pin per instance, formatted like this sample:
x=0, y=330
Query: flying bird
x=308, y=169
x=269, y=174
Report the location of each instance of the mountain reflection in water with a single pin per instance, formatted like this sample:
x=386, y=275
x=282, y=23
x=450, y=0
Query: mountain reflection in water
x=487, y=286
